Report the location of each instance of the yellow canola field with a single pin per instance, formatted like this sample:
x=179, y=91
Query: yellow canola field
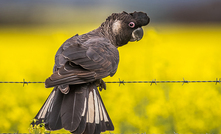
x=166, y=52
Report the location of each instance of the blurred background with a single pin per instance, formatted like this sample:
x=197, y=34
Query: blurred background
x=181, y=41
x=25, y=12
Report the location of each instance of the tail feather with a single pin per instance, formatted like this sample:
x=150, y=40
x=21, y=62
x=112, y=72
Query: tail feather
x=98, y=119
x=80, y=111
x=53, y=119
x=106, y=119
x=73, y=107
x=82, y=126
x=50, y=109
x=90, y=114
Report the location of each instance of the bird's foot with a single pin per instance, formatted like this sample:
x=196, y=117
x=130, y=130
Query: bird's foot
x=100, y=84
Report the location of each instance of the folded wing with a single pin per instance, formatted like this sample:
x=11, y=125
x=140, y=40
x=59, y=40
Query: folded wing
x=83, y=63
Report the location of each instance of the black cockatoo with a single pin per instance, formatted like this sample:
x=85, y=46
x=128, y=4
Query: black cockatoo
x=80, y=64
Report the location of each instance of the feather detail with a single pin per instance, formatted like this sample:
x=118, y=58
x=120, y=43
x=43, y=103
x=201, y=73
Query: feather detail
x=53, y=119
x=49, y=113
x=96, y=58
x=97, y=118
x=82, y=125
x=64, y=88
x=108, y=123
x=57, y=79
x=94, y=117
x=73, y=107
x=81, y=110
x=90, y=115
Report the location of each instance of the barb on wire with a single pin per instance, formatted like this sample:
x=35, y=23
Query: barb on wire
x=218, y=80
x=121, y=82
x=153, y=81
x=184, y=81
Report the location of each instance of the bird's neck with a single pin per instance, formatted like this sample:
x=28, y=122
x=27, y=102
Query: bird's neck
x=107, y=32
x=102, y=31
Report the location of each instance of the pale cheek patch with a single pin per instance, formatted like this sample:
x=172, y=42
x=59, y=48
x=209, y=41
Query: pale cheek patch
x=116, y=26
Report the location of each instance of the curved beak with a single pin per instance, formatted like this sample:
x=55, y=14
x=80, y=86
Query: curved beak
x=137, y=34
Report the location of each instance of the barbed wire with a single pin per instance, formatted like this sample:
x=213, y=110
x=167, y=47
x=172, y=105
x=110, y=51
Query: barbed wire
x=154, y=81
x=23, y=82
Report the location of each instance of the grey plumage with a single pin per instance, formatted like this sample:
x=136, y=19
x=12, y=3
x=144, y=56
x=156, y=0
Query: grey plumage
x=80, y=64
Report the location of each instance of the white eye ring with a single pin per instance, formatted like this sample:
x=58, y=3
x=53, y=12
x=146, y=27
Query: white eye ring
x=131, y=24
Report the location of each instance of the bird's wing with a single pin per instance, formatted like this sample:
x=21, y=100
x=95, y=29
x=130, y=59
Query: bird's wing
x=85, y=62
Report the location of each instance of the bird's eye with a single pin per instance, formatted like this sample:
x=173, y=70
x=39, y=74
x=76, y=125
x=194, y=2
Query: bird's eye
x=131, y=24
